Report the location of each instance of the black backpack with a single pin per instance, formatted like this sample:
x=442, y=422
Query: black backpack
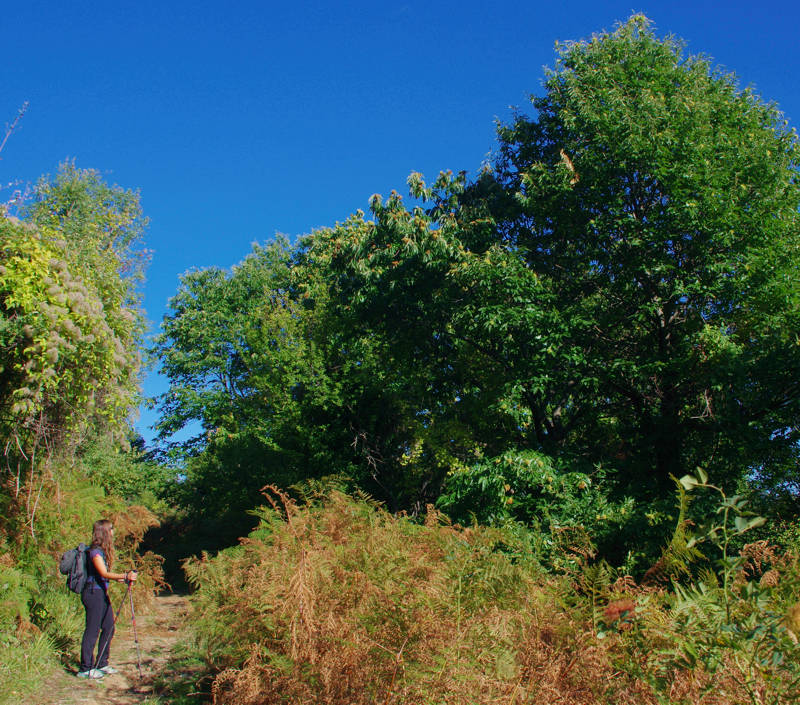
x=73, y=564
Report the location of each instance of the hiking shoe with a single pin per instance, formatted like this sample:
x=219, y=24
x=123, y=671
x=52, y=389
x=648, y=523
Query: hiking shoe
x=93, y=673
x=108, y=670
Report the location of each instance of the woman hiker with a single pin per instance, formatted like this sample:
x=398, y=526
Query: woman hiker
x=99, y=615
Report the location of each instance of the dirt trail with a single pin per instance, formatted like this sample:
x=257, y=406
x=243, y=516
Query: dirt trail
x=157, y=630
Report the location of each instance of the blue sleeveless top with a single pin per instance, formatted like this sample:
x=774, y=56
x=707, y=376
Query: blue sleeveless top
x=93, y=579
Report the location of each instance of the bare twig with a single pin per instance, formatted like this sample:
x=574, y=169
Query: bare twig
x=13, y=126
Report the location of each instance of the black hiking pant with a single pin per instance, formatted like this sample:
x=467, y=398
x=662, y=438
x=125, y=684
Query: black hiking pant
x=99, y=616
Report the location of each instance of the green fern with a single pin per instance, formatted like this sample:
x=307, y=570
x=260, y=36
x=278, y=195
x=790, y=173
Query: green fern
x=680, y=553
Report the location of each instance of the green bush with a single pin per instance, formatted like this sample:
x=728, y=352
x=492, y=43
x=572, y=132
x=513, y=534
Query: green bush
x=556, y=500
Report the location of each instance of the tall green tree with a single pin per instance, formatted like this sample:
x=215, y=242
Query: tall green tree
x=621, y=288
x=392, y=388
x=659, y=201
x=250, y=381
x=617, y=296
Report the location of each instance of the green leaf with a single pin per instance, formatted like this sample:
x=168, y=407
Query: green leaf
x=689, y=482
x=744, y=524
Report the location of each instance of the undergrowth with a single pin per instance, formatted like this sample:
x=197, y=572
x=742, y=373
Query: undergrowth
x=41, y=621
x=341, y=602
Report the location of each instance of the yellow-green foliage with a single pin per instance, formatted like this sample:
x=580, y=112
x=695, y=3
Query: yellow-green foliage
x=70, y=334
x=341, y=602
x=65, y=357
x=15, y=590
x=40, y=619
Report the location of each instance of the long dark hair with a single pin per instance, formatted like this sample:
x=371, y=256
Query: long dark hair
x=102, y=538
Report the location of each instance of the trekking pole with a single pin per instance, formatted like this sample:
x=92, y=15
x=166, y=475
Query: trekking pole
x=135, y=636
x=116, y=617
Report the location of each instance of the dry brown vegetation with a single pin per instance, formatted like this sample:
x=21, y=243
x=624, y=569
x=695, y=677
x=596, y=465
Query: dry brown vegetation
x=343, y=603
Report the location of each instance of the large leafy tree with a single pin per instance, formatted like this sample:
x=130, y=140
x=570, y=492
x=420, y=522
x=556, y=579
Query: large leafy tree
x=616, y=296
x=660, y=204
x=251, y=389
x=621, y=288
x=392, y=387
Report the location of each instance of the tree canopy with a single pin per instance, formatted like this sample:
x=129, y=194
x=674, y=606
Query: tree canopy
x=609, y=304
x=660, y=203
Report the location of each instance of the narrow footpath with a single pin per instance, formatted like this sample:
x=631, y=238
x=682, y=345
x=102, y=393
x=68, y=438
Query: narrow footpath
x=157, y=630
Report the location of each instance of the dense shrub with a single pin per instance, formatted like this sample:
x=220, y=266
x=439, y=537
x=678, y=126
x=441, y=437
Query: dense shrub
x=341, y=602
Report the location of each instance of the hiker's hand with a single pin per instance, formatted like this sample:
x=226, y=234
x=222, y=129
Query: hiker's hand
x=130, y=576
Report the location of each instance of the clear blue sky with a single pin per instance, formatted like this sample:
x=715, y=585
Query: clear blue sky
x=238, y=120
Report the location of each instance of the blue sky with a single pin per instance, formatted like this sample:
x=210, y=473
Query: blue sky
x=242, y=119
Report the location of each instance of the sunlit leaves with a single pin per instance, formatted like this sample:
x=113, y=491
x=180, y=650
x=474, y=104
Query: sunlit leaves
x=659, y=206
x=70, y=326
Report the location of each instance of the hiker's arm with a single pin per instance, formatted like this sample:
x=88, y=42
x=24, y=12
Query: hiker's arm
x=102, y=571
